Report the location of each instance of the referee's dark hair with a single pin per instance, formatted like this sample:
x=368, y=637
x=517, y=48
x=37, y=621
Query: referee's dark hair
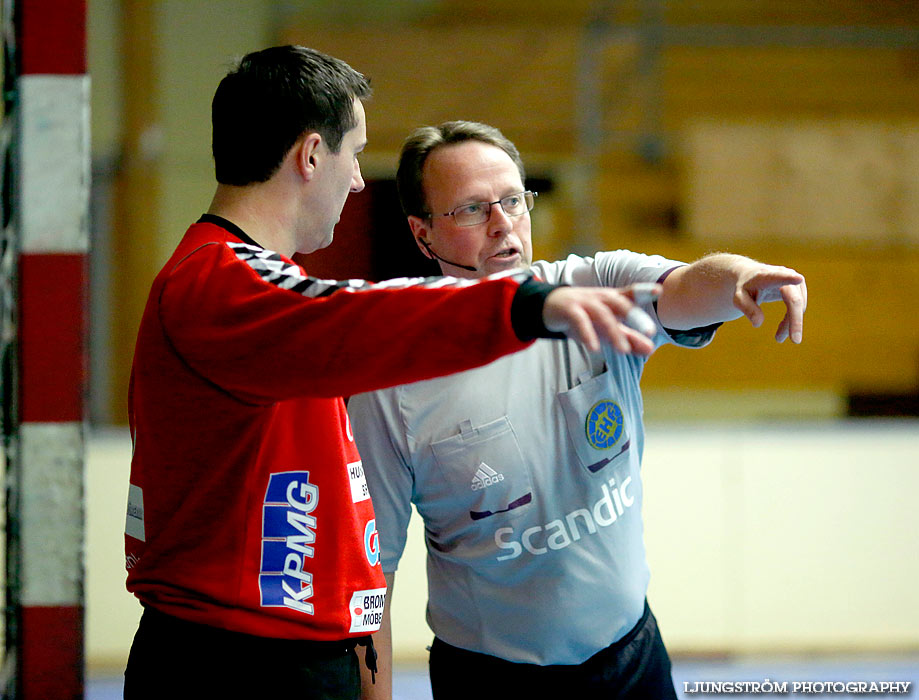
x=273, y=97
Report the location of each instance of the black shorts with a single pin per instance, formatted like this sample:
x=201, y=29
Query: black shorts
x=636, y=666
x=172, y=658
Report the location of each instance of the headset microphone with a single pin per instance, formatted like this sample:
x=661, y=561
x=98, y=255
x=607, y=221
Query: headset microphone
x=449, y=262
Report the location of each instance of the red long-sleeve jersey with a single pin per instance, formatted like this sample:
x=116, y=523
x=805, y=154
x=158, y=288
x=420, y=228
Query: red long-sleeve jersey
x=248, y=508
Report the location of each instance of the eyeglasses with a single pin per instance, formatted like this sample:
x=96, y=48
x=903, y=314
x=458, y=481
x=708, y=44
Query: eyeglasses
x=479, y=212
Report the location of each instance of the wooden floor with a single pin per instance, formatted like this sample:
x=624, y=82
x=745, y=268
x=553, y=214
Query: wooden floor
x=411, y=683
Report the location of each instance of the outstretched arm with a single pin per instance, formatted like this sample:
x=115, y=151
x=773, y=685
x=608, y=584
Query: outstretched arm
x=722, y=287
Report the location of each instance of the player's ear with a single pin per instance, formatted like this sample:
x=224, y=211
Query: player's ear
x=420, y=228
x=307, y=154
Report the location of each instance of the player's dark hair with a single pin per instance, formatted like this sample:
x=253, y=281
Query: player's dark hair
x=424, y=140
x=273, y=97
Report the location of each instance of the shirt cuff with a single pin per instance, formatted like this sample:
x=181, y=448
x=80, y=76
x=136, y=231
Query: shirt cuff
x=526, y=310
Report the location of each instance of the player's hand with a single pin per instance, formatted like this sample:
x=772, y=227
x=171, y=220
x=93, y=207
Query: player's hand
x=759, y=284
x=597, y=316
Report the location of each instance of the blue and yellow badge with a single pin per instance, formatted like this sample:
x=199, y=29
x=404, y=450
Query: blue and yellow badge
x=604, y=424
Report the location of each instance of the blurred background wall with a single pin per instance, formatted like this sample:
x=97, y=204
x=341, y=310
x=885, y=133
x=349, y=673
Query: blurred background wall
x=779, y=478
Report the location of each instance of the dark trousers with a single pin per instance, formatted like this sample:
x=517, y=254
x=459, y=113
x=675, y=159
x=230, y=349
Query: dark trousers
x=172, y=658
x=637, y=666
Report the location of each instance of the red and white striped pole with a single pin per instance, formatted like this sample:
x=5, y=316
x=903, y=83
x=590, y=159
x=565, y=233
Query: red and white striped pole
x=51, y=208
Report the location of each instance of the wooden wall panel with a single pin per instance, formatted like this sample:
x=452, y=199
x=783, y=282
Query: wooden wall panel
x=830, y=181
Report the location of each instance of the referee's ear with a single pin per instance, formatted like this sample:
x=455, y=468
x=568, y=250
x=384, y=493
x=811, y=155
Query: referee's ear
x=420, y=228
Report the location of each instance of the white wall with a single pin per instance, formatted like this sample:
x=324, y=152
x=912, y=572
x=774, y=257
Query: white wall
x=785, y=536
x=111, y=612
x=760, y=538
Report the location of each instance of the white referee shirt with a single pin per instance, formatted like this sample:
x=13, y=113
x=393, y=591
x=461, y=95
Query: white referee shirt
x=527, y=474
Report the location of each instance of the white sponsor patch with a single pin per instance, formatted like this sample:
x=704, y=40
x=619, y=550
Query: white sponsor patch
x=134, y=524
x=367, y=610
x=359, y=490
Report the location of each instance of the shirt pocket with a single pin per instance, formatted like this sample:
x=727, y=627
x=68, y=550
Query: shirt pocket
x=597, y=423
x=484, y=469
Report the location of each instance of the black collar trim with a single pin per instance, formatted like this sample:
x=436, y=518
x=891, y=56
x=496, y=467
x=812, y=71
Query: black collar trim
x=229, y=226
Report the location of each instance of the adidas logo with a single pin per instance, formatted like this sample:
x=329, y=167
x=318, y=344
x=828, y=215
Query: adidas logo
x=485, y=476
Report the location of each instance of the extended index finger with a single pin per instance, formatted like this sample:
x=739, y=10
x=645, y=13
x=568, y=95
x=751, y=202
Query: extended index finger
x=795, y=298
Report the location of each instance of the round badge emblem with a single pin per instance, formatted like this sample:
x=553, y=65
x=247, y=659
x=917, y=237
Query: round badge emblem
x=604, y=425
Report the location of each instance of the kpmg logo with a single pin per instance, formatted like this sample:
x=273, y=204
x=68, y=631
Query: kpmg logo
x=372, y=542
x=604, y=425
x=288, y=536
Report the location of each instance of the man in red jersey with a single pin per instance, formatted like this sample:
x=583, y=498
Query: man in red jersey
x=250, y=537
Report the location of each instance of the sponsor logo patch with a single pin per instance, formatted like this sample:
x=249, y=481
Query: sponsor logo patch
x=485, y=476
x=604, y=424
x=367, y=610
x=614, y=503
x=372, y=542
x=359, y=490
x=288, y=535
x=134, y=524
